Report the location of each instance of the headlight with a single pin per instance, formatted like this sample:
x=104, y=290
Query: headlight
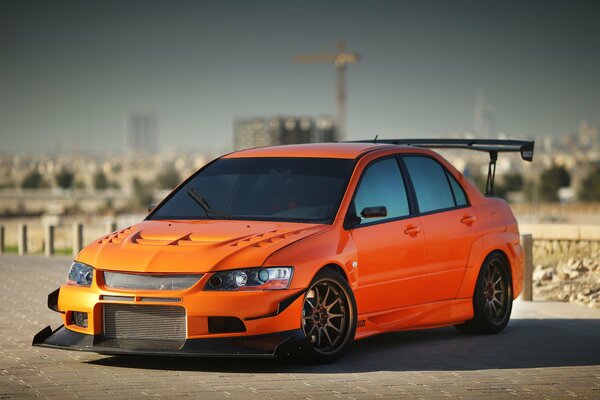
x=80, y=274
x=251, y=279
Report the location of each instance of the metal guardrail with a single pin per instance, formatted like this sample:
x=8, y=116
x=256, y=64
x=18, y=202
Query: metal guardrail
x=49, y=238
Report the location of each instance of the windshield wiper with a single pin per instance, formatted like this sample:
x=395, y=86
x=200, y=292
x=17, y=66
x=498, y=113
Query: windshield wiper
x=204, y=204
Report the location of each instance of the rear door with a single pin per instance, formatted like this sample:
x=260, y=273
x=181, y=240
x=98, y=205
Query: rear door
x=448, y=222
x=390, y=249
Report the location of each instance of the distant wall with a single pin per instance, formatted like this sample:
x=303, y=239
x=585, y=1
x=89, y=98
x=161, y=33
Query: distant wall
x=56, y=200
x=557, y=213
x=555, y=241
x=562, y=231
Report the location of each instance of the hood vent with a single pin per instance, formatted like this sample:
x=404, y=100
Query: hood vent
x=267, y=238
x=263, y=239
x=117, y=237
x=183, y=240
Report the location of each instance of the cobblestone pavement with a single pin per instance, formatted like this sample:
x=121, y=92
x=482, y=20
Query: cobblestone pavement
x=549, y=350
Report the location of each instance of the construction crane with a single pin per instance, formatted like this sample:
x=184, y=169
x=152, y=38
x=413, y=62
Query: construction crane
x=340, y=60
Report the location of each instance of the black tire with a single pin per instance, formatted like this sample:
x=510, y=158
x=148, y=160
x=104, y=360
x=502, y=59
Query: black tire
x=328, y=318
x=493, y=297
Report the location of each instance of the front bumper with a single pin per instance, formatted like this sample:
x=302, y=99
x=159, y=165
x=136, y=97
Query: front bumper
x=272, y=334
x=270, y=345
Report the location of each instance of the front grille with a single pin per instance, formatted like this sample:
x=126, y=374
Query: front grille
x=126, y=321
x=160, y=299
x=123, y=281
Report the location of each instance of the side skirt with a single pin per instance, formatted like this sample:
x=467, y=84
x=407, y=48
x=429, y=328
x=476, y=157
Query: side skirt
x=421, y=316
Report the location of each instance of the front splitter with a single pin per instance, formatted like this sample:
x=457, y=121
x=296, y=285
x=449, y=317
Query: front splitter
x=270, y=345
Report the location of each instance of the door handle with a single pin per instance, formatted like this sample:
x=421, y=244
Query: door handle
x=412, y=230
x=468, y=219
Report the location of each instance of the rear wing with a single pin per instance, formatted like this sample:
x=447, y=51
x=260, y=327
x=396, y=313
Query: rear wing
x=492, y=146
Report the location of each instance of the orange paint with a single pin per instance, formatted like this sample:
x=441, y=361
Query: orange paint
x=415, y=272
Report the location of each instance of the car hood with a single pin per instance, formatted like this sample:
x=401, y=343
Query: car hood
x=193, y=246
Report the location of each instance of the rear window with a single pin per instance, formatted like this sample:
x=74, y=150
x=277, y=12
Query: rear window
x=457, y=190
x=431, y=184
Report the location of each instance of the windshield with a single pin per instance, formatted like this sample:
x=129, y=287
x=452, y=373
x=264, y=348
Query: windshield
x=264, y=189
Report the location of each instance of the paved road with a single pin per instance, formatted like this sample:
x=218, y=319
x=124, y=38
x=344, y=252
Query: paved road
x=549, y=350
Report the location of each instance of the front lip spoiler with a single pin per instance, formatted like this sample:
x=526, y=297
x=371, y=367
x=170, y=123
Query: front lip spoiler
x=279, y=344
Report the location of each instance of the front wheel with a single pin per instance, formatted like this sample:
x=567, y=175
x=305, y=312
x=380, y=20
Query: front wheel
x=328, y=317
x=492, y=301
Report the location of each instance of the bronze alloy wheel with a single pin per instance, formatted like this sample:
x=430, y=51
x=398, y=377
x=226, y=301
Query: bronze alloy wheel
x=328, y=316
x=492, y=300
x=494, y=288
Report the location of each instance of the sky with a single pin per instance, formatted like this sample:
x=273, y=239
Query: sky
x=71, y=70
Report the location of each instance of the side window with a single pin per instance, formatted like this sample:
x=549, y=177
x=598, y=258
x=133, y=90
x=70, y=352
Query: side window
x=382, y=185
x=431, y=185
x=459, y=193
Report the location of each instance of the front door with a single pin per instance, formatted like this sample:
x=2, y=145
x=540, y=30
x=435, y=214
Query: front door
x=391, y=248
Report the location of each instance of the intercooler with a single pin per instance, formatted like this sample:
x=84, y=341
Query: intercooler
x=127, y=321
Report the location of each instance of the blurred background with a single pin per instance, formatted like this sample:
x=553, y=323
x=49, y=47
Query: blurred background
x=107, y=105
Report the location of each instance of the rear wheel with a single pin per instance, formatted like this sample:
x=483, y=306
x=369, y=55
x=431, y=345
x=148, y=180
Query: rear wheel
x=328, y=317
x=492, y=301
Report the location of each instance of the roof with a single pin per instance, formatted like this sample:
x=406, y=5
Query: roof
x=311, y=150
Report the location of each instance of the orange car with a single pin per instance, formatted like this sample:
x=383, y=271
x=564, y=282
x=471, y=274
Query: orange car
x=300, y=249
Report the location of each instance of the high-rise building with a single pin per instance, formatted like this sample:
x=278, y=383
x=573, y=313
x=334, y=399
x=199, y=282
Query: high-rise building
x=588, y=134
x=326, y=130
x=258, y=132
x=485, y=121
x=141, y=131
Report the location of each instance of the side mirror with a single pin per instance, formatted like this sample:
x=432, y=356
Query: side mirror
x=374, y=212
x=151, y=207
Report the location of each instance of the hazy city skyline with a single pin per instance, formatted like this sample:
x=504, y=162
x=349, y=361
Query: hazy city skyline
x=70, y=71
